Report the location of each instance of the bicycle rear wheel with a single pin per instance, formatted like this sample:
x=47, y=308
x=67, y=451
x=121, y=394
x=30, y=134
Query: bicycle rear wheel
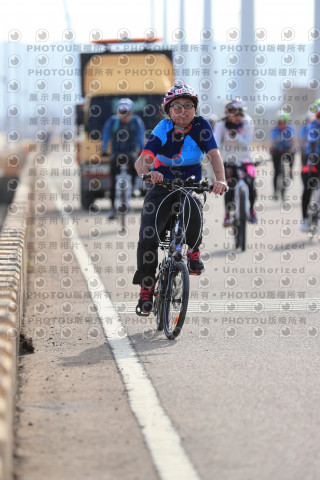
x=313, y=215
x=176, y=300
x=242, y=222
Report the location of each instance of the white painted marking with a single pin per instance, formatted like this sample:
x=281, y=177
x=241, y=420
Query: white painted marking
x=307, y=305
x=163, y=441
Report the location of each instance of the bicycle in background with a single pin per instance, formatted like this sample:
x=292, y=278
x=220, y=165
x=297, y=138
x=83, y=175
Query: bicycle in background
x=123, y=194
x=239, y=210
x=286, y=172
x=313, y=212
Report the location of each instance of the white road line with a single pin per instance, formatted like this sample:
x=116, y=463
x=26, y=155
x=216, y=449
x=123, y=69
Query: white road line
x=164, y=443
x=307, y=305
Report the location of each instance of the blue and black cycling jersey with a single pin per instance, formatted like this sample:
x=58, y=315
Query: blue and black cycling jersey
x=125, y=137
x=171, y=147
x=283, y=138
x=313, y=138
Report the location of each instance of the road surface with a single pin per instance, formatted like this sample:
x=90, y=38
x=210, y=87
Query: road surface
x=106, y=396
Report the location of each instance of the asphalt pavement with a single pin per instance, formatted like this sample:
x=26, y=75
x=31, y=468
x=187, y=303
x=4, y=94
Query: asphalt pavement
x=234, y=397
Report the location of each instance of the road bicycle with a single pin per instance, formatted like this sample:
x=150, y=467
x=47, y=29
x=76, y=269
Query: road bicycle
x=123, y=194
x=171, y=293
x=286, y=174
x=284, y=160
x=239, y=210
x=313, y=212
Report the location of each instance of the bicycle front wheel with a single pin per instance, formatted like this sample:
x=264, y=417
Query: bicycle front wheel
x=313, y=216
x=176, y=300
x=158, y=305
x=122, y=206
x=285, y=177
x=241, y=227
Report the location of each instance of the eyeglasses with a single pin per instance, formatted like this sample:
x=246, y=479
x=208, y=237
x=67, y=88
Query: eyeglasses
x=177, y=107
x=235, y=112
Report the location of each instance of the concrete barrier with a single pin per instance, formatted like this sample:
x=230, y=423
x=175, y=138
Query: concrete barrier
x=13, y=285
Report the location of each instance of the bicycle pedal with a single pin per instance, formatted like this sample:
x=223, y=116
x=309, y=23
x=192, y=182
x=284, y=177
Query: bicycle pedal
x=143, y=314
x=195, y=273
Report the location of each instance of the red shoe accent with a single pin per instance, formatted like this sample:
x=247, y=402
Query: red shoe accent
x=146, y=294
x=194, y=256
x=195, y=265
x=145, y=302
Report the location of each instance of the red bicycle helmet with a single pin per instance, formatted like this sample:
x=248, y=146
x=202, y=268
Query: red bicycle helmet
x=180, y=91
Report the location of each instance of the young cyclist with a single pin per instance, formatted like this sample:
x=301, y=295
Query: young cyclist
x=234, y=135
x=179, y=141
x=125, y=131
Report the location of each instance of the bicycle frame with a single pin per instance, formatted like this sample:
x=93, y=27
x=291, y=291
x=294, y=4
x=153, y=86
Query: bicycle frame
x=171, y=293
x=173, y=272
x=240, y=208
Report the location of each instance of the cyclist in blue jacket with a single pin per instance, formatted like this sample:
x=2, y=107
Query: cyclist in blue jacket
x=282, y=147
x=180, y=142
x=312, y=167
x=125, y=131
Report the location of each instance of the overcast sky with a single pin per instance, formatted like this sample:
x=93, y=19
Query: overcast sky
x=110, y=16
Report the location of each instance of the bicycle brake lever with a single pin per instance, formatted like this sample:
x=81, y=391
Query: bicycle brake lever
x=145, y=177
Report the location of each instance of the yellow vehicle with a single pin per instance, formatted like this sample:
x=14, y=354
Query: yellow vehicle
x=142, y=74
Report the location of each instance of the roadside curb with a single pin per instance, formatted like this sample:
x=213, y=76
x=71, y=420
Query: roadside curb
x=13, y=289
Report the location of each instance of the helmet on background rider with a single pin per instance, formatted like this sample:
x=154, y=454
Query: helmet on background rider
x=283, y=117
x=179, y=91
x=236, y=107
x=124, y=106
x=316, y=108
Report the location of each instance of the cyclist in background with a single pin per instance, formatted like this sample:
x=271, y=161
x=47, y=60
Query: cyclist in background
x=282, y=147
x=303, y=133
x=178, y=142
x=125, y=131
x=234, y=135
x=303, y=137
x=312, y=168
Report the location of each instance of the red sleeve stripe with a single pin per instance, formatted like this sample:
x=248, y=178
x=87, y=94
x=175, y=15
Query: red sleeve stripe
x=157, y=163
x=149, y=153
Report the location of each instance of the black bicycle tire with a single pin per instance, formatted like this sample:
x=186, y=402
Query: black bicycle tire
x=241, y=233
x=283, y=180
x=170, y=333
x=122, y=215
x=313, y=216
x=285, y=176
x=159, y=301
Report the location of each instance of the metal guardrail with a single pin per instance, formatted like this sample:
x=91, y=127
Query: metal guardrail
x=13, y=285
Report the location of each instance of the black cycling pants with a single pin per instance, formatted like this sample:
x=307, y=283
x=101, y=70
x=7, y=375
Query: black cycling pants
x=155, y=216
